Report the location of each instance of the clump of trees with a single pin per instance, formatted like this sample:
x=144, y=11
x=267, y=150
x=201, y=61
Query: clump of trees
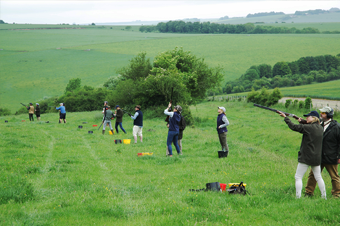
x=303, y=71
x=264, y=97
x=179, y=26
x=4, y=111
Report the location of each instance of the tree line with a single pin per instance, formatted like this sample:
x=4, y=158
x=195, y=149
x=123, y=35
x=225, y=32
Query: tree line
x=303, y=71
x=174, y=75
x=215, y=28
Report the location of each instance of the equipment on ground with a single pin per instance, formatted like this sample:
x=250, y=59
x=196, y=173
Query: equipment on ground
x=303, y=121
x=239, y=189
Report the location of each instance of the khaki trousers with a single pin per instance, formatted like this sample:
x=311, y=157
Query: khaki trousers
x=223, y=141
x=333, y=173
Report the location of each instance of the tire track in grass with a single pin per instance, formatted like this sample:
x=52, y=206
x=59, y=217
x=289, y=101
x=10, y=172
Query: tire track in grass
x=48, y=159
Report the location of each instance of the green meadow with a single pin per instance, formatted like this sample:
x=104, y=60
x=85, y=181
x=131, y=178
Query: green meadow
x=57, y=174
x=38, y=63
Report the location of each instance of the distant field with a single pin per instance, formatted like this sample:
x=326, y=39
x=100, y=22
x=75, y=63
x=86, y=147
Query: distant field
x=321, y=26
x=321, y=18
x=39, y=63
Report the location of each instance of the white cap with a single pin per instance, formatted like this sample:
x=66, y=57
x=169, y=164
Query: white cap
x=326, y=109
x=222, y=108
x=37, y=104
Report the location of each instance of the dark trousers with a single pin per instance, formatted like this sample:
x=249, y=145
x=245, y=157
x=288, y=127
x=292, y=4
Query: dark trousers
x=172, y=137
x=333, y=173
x=223, y=141
x=31, y=117
x=121, y=126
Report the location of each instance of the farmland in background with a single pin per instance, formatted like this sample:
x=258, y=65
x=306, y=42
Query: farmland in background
x=39, y=63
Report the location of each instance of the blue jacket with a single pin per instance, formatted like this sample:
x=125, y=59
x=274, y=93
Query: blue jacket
x=62, y=109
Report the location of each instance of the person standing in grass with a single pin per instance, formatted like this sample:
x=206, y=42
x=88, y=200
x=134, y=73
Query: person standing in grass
x=30, y=112
x=137, y=124
x=37, y=111
x=222, y=123
x=119, y=119
x=62, y=115
x=181, y=127
x=107, y=119
x=330, y=152
x=173, y=133
x=310, y=150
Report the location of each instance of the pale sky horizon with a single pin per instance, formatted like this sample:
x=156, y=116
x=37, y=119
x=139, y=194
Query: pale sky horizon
x=86, y=11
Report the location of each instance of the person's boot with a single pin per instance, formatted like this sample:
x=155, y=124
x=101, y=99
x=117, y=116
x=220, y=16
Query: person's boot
x=103, y=132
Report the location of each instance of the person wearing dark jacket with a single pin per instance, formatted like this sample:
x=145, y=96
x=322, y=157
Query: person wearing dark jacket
x=137, y=124
x=330, y=152
x=310, y=150
x=222, y=123
x=37, y=111
x=181, y=126
x=174, y=120
x=119, y=119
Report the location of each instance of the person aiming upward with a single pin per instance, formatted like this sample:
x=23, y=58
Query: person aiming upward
x=330, y=152
x=137, y=124
x=310, y=150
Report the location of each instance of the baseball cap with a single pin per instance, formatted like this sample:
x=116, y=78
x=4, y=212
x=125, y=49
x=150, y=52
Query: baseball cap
x=222, y=108
x=312, y=113
x=117, y=106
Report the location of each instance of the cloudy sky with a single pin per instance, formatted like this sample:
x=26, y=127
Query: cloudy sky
x=87, y=11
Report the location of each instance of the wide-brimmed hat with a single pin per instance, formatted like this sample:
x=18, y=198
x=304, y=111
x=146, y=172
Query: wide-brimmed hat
x=312, y=113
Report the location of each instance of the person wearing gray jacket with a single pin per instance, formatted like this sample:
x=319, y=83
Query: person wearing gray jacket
x=330, y=152
x=310, y=150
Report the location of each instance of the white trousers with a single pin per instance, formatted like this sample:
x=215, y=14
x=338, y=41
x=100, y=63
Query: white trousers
x=300, y=171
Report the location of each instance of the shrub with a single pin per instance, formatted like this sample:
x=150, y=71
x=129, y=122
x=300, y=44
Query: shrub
x=4, y=111
x=288, y=102
x=301, y=104
x=308, y=103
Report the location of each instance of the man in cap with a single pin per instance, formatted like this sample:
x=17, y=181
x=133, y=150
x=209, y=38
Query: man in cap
x=37, y=111
x=137, y=124
x=330, y=152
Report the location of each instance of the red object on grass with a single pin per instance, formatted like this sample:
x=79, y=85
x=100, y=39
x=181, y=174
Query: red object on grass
x=139, y=154
x=223, y=187
x=94, y=125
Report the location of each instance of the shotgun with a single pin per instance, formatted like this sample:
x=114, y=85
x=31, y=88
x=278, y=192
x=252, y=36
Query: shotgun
x=126, y=112
x=277, y=111
x=170, y=109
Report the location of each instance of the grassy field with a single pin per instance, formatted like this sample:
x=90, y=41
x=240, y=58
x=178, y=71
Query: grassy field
x=57, y=174
x=39, y=63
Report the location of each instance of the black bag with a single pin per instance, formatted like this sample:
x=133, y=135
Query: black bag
x=238, y=190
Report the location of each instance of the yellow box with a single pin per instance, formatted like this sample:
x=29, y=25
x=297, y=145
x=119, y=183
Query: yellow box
x=236, y=184
x=126, y=141
x=147, y=153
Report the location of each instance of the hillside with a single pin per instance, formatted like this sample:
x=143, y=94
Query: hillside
x=57, y=174
x=39, y=63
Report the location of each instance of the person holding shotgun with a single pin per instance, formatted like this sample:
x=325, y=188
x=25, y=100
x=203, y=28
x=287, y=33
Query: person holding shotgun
x=173, y=133
x=310, y=150
x=107, y=119
x=30, y=112
x=62, y=115
x=330, y=152
x=137, y=123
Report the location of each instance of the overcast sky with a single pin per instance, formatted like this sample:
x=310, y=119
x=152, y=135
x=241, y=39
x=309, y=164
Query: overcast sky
x=86, y=11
